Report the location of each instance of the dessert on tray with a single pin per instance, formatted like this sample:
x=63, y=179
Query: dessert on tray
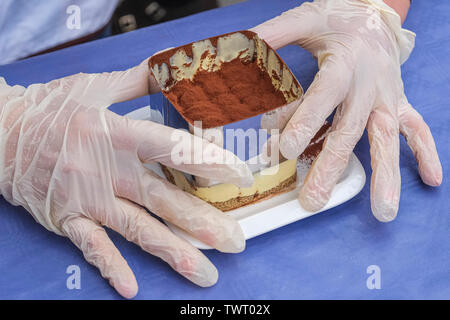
x=232, y=79
x=227, y=197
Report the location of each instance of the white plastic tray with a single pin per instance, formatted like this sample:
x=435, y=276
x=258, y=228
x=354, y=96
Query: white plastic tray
x=280, y=210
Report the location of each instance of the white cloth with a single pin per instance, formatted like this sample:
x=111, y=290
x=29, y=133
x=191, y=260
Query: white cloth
x=31, y=26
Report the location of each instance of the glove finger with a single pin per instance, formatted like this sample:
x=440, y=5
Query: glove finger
x=383, y=131
x=293, y=26
x=420, y=140
x=328, y=90
x=138, y=226
x=188, y=212
x=99, y=251
x=278, y=118
x=348, y=126
x=179, y=149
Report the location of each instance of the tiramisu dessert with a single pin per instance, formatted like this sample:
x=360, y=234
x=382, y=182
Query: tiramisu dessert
x=223, y=80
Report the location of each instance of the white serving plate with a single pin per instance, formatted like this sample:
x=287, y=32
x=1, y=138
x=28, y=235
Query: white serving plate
x=278, y=211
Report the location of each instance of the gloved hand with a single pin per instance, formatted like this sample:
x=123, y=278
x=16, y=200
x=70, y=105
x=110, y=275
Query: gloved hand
x=360, y=46
x=75, y=167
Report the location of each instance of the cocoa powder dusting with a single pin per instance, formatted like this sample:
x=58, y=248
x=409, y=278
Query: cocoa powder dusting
x=238, y=90
x=315, y=146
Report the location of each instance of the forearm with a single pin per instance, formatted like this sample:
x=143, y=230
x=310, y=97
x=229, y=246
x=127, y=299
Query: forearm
x=400, y=6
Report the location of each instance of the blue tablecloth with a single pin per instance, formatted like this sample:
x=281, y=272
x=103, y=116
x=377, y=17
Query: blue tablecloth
x=325, y=256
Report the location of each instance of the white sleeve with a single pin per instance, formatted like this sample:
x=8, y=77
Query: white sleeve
x=28, y=27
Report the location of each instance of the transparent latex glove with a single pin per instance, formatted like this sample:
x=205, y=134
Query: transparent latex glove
x=75, y=167
x=359, y=45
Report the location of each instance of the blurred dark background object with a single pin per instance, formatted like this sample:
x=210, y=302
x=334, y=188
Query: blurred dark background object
x=135, y=14
x=130, y=15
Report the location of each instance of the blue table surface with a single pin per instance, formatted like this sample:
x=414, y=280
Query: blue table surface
x=325, y=256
